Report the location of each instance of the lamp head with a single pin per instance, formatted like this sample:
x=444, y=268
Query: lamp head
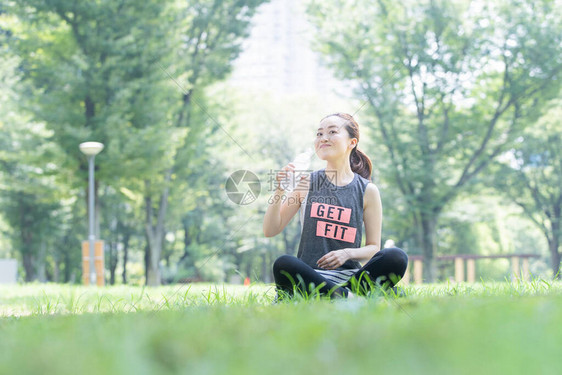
x=91, y=148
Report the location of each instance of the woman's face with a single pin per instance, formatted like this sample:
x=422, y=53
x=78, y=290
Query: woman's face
x=332, y=139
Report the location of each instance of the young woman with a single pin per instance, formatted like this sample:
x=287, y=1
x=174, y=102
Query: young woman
x=335, y=203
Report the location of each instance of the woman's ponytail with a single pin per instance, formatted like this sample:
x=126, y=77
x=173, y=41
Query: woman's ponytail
x=360, y=163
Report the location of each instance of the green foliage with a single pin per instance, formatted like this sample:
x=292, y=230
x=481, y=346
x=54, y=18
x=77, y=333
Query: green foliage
x=32, y=197
x=446, y=88
x=133, y=77
x=530, y=175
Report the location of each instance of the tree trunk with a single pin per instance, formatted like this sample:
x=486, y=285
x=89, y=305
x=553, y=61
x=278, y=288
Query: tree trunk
x=112, y=261
x=249, y=267
x=428, y=226
x=146, y=262
x=155, y=232
x=266, y=273
x=125, y=256
x=553, y=245
x=29, y=267
x=155, y=235
x=56, y=271
x=154, y=277
x=67, y=266
x=29, y=258
x=186, y=242
x=40, y=263
x=153, y=261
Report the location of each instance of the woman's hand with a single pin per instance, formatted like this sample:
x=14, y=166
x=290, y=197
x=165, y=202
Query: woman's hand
x=283, y=179
x=282, y=176
x=334, y=259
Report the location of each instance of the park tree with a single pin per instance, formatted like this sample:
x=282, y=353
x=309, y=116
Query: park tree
x=80, y=64
x=32, y=200
x=446, y=86
x=530, y=175
x=29, y=198
x=207, y=38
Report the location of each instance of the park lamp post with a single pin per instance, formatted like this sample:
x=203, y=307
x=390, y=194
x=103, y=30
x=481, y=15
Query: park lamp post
x=91, y=149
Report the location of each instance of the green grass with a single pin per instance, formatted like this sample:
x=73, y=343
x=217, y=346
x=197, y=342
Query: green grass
x=40, y=299
x=510, y=328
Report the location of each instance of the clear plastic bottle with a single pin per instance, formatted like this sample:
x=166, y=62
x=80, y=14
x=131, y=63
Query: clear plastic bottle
x=301, y=163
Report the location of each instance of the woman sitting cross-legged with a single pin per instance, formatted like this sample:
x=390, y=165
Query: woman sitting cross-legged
x=335, y=202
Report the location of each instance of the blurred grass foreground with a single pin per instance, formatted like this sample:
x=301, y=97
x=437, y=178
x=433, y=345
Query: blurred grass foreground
x=508, y=327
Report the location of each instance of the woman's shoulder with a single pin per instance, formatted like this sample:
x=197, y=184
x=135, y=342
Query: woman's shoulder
x=372, y=195
x=371, y=189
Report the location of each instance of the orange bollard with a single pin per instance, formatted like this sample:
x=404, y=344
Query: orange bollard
x=99, y=264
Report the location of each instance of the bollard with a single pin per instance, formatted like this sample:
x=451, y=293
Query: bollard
x=515, y=268
x=459, y=270
x=99, y=262
x=526, y=274
x=470, y=270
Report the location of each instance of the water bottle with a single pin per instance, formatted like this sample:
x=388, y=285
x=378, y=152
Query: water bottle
x=301, y=163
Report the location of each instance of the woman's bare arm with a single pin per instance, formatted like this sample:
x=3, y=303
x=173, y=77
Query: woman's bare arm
x=282, y=207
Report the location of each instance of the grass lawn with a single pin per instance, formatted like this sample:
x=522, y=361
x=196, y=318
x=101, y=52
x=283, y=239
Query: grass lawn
x=490, y=328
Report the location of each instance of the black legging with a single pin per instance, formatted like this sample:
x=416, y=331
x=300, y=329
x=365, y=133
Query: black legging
x=384, y=269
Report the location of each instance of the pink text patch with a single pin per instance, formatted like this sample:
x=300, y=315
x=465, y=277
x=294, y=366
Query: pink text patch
x=335, y=231
x=330, y=212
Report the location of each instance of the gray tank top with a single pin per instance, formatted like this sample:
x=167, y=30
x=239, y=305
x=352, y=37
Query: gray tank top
x=331, y=218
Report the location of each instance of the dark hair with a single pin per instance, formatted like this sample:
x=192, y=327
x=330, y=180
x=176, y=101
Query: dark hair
x=360, y=163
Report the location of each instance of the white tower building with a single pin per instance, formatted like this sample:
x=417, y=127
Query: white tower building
x=278, y=55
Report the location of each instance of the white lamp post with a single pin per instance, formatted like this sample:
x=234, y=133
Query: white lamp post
x=91, y=149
